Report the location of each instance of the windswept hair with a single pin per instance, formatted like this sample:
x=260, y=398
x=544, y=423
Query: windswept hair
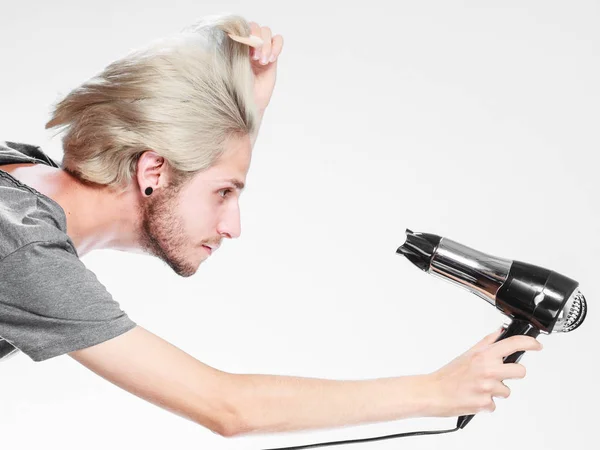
x=181, y=97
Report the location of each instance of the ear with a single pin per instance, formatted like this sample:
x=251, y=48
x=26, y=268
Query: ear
x=151, y=171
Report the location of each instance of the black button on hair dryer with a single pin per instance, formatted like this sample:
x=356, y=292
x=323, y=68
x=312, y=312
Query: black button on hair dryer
x=537, y=300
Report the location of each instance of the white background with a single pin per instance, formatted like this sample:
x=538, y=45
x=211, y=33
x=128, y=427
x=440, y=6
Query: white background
x=472, y=120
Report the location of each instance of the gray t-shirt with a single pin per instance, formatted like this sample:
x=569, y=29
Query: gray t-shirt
x=50, y=303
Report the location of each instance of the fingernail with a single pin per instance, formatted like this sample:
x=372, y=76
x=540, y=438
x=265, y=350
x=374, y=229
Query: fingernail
x=272, y=58
x=256, y=55
x=263, y=60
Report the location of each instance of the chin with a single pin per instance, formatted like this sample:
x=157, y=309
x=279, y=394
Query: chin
x=189, y=267
x=184, y=272
x=183, y=267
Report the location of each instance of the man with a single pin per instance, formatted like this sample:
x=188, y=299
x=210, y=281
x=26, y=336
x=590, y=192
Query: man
x=156, y=152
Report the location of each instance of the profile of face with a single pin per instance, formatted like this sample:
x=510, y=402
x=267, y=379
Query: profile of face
x=183, y=226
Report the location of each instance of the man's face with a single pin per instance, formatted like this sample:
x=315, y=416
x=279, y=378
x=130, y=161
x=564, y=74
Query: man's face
x=181, y=226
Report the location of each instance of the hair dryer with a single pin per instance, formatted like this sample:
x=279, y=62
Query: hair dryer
x=537, y=300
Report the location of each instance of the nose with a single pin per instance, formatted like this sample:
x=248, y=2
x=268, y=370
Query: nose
x=230, y=224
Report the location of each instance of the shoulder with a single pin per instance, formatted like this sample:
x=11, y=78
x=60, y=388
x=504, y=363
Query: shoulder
x=19, y=152
x=26, y=217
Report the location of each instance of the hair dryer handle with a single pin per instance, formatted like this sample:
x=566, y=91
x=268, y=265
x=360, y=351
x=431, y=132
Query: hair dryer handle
x=516, y=327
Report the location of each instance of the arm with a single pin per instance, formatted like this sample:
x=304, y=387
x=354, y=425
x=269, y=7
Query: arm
x=149, y=367
x=282, y=403
x=231, y=404
x=466, y=385
x=265, y=72
x=255, y=135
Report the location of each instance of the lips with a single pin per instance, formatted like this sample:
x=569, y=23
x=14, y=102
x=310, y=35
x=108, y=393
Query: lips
x=210, y=248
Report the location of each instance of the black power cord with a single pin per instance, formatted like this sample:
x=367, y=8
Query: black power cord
x=377, y=438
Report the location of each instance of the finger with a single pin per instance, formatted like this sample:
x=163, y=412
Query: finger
x=265, y=51
x=501, y=390
x=252, y=41
x=276, y=46
x=255, y=31
x=511, y=371
x=487, y=341
x=489, y=405
x=514, y=344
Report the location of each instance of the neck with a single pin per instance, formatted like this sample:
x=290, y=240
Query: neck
x=97, y=217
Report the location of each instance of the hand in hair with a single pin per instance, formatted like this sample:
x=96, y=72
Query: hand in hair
x=264, y=63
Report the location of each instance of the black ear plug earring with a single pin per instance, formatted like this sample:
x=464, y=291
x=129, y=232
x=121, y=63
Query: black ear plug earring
x=148, y=190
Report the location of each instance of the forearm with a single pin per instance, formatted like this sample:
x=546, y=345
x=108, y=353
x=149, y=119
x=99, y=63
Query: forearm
x=253, y=137
x=270, y=403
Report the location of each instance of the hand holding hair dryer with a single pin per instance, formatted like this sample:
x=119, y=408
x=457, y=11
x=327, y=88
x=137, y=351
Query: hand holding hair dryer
x=537, y=300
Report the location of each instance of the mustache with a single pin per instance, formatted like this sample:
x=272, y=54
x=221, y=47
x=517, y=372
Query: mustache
x=213, y=242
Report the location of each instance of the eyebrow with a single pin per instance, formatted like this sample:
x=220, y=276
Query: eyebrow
x=237, y=183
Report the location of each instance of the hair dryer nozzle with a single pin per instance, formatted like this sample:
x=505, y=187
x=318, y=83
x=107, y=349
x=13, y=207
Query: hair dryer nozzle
x=419, y=248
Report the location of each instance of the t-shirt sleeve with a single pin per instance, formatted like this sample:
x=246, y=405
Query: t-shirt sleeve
x=51, y=304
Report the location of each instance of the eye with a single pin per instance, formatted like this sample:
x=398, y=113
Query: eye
x=225, y=192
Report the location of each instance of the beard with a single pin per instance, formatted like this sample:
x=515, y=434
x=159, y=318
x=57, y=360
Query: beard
x=162, y=233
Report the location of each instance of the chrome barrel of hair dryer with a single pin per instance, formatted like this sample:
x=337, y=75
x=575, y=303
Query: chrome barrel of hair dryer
x=537, y=300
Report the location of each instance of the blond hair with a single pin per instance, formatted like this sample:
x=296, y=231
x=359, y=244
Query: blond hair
x=181, y=97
